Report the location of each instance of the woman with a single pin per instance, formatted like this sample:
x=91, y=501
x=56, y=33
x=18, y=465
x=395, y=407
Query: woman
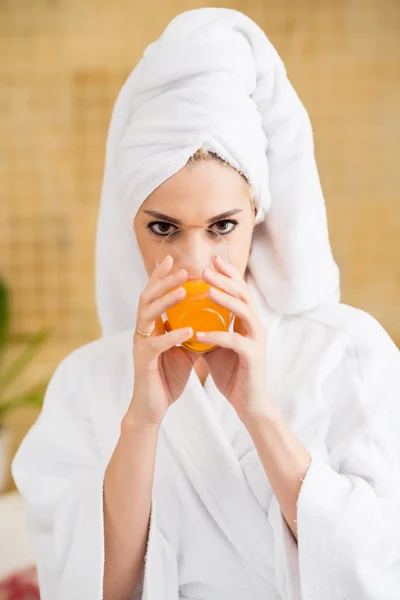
x=267, y=468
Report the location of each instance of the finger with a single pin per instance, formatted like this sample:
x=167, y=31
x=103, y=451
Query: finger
x=160, y=286
x=149, y=313
x=162, y=269
x=239, y=308
x=156, y=345
x=225, y=339
x=229, y=270
x=227, y=284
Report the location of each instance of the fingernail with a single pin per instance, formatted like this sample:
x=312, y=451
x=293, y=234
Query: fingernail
x=200, y=335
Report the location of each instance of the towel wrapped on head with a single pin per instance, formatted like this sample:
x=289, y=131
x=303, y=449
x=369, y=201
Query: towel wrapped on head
x=214, y=80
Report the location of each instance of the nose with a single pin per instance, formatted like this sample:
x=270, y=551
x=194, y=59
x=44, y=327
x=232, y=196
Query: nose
x=197, y=251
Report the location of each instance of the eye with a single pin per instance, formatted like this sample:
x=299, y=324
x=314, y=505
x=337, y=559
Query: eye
x=225, y=227
x=160, y=228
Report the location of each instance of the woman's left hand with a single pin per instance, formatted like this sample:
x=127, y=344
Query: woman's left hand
x=238, y=364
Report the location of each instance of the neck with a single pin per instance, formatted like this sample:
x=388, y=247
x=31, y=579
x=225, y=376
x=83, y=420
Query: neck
x=201, y=370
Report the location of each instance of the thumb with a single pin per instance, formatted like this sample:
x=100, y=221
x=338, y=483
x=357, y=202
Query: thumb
x=193, y=356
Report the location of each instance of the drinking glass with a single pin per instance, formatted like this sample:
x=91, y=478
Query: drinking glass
x=196, y=310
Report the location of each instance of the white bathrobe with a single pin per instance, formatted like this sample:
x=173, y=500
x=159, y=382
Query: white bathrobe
x=216, y=531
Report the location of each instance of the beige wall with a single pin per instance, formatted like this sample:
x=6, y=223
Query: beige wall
x=65, y=61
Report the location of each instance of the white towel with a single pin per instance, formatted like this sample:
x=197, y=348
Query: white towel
x=213, y=79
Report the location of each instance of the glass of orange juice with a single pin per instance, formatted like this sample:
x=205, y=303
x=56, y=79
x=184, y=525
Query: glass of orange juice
x=196, y=310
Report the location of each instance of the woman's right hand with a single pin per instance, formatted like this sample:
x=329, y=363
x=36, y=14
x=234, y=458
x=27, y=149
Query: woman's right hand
x=161, y=369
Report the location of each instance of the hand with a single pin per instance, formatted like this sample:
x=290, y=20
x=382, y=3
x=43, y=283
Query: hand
x=161, y=369
x=238, y=364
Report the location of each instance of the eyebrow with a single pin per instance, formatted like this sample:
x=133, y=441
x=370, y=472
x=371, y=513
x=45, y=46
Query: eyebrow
x=220, y=217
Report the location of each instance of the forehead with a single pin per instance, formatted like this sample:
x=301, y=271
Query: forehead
x=199, y=192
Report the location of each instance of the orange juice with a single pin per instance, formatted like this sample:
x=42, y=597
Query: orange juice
x=198, y=311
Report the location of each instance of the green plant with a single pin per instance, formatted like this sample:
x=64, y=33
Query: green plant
x=31, y=343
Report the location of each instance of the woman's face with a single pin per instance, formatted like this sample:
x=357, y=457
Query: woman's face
x=202, y=196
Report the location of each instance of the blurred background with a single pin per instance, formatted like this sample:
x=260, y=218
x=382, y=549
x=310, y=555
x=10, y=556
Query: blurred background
x=62, y=65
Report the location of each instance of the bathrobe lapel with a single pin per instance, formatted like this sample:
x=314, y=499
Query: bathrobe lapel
x=210, y=462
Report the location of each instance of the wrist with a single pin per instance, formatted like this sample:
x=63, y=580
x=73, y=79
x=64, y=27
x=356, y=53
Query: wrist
x=268, y=414
x=133, y=420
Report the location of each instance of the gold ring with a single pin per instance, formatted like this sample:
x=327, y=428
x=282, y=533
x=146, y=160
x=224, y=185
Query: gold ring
x=145, y=335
